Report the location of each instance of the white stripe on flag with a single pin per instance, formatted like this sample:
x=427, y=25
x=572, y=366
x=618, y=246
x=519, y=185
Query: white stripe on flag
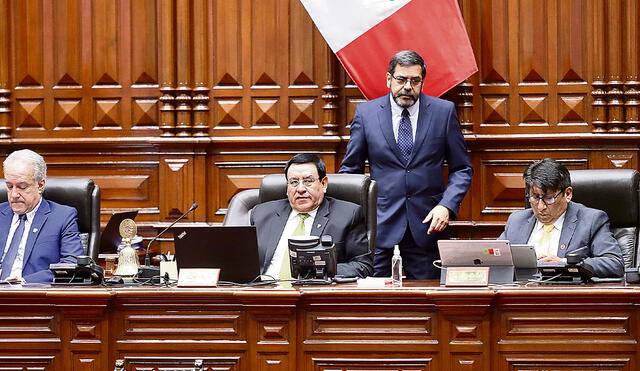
x=342, y=21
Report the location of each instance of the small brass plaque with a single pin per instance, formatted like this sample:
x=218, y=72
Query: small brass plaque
x=467, y=276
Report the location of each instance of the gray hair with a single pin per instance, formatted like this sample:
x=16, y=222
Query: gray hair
x=27, y=155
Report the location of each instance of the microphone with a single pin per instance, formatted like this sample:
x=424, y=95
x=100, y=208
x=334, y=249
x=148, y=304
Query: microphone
x=148, y=270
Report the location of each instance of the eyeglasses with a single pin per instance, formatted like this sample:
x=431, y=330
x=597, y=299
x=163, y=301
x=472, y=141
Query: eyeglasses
x=306, y=182
x=547, y=199
x=402, y=80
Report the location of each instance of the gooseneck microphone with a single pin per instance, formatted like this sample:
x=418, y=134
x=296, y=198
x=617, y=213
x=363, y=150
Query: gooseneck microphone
x=148, y=270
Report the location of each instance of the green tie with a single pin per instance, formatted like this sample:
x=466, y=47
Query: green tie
x=285, y=268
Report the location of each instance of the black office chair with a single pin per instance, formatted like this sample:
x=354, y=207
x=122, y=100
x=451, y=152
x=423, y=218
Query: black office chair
x=357, y=188
x=82, y=194
x=615, y=191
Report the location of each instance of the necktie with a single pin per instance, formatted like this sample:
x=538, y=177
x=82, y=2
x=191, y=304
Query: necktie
x=405, y=136
x=543, y=245
x=10, y=256
x=285, y=268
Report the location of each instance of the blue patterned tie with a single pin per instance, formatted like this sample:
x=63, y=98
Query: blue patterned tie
x=405, y=136
x=10, y=256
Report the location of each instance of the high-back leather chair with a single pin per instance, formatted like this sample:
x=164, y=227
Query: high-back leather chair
x=357, y=188
x=82, y=194
x=615, y=191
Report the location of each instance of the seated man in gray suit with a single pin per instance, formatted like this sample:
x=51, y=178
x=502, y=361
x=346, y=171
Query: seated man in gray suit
x=306, y=211
x=557, y=226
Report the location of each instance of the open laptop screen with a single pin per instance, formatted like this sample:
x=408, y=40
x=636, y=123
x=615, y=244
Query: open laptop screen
x=110, y=238
x=233, y=249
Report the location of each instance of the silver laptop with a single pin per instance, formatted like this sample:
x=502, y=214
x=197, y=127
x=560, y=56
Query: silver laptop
x=495, y=254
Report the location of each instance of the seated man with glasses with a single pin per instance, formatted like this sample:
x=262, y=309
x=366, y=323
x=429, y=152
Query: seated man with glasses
x=557, y=226
x=305, y=212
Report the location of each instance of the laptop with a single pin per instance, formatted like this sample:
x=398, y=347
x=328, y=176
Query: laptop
x=495, y=254
x=233, y=249
x=110, y=238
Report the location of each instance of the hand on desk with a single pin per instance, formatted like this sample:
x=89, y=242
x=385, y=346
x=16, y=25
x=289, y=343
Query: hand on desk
x=439, y=217
x=551, y=258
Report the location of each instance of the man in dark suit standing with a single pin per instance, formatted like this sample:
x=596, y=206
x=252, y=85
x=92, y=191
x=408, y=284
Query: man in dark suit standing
x=306, y=211
x=407, y=136
x=34, y=232
x=556, y=226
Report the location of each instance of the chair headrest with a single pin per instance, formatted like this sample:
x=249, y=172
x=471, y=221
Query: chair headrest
x=347, y=187
x=613, y=190
x=74, y=192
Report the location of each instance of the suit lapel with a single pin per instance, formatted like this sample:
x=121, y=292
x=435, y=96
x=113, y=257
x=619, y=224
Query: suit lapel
x=424, y=124
x=522, y=235
x=321, y=219
x=386, y=125
x=36, y=226
x=568, y=227
x=6, y=216
x=277, y=222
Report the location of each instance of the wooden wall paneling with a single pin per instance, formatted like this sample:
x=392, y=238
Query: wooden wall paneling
x=614, y=66
x=572, y=99
x=177, y=186
x=530, y=106
x=167, y=63
x=228, y=34
x=268, y=29
x=144, y=23
x=464, y=90
x=184, y=67
x=597, y=33
x=200, y=98
x=493, y=99
x=128, y=181
x=631, y=67
x=28, y=70
x=5, y=67
x=306, y=73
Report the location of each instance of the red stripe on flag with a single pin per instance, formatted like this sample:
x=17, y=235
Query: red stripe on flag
x=433, y=28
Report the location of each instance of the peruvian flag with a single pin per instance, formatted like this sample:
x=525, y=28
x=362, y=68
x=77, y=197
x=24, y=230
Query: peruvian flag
x=365, y=34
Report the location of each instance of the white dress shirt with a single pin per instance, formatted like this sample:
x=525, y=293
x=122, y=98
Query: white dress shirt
x=554, y=241
x=273, y=269
x=396, y=115
x=16, y=269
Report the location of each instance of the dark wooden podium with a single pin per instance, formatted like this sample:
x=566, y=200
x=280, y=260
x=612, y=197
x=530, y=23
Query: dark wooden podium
x=420, y=326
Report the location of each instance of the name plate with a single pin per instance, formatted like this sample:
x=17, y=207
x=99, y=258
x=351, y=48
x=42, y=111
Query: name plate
x=198, y=277
x=467, y=276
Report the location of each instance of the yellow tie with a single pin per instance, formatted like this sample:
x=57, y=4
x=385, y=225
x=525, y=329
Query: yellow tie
x=543, y=245
x=285, y=268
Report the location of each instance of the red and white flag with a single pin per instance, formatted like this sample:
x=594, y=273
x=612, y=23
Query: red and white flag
x=365, y=34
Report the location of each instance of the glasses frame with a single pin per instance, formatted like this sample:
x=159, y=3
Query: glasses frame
x=402, y=80
x=537, y=199
x=295, y=183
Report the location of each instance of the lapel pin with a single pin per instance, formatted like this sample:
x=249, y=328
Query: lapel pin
x=562, y=247
x=35, y=230
x=319, y=225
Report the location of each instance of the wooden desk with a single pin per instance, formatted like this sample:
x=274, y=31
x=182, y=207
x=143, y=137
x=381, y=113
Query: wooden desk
x=416, y=327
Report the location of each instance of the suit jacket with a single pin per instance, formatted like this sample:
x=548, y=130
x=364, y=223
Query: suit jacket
x=583, y=226
x=408, y=191
x=343, y=220
x=54, y=238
